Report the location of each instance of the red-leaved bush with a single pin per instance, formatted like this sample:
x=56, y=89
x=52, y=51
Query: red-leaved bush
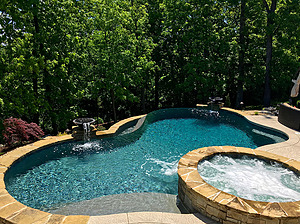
x=16, y=131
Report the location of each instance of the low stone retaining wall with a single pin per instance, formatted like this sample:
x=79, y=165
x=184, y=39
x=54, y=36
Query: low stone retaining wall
x=198, y=196
x=289, y=116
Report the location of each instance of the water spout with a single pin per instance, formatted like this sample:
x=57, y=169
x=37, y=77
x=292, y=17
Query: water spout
x=215, y=103
x=86, y=128
x=85, y=125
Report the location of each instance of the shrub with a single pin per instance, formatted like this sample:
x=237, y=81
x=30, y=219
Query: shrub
x=100, y=128
x=61, y=133
x=99, y=120
x=16, y=131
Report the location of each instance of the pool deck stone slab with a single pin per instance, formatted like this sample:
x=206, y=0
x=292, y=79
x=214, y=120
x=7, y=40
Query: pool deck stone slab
x=107, y=219
x=29, y=215
x=289, y=148
x=12, y=211
x=76, y=219
x=55, y=219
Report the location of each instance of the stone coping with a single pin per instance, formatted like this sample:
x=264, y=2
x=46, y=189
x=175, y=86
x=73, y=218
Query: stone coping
x=12, y=211
x=199, y=196
x=116, y=127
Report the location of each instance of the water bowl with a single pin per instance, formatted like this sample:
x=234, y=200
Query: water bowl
x=80, y=121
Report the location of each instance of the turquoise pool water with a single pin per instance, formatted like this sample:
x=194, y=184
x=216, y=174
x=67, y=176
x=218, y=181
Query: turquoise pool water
x=142, y=161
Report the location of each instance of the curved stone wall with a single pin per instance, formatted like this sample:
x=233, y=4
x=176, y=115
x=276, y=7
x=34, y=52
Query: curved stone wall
x=289, y=116
x=199, y=196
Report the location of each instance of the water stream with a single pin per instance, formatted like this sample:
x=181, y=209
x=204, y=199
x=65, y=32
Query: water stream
x=86, y=129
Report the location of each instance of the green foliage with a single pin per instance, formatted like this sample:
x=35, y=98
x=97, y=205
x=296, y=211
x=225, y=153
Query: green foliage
x=99, y=120
x=101, y=128
x=112, y=59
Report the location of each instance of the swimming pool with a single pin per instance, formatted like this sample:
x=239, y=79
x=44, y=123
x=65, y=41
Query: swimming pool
x=141, y=161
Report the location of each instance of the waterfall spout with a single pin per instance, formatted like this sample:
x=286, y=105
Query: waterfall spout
x=86, y=128
x=84, y=124
x=215, y=104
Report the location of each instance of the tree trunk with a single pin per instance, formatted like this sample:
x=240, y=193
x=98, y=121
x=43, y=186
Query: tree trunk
x=54, y=125
x=113, y=104
x=269, y=37
x=36, y=115
x=143, y=100
x=267, y=92
x=241, y=77
x=156, y=96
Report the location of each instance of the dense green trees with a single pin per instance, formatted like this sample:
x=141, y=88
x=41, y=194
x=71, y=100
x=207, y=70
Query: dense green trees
x=60, y=59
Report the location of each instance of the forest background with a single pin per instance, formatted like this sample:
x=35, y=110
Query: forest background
x=111, y=59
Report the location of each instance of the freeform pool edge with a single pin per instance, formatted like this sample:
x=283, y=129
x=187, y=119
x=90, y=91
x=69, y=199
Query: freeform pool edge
x=12, y=211
x=199, y=196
